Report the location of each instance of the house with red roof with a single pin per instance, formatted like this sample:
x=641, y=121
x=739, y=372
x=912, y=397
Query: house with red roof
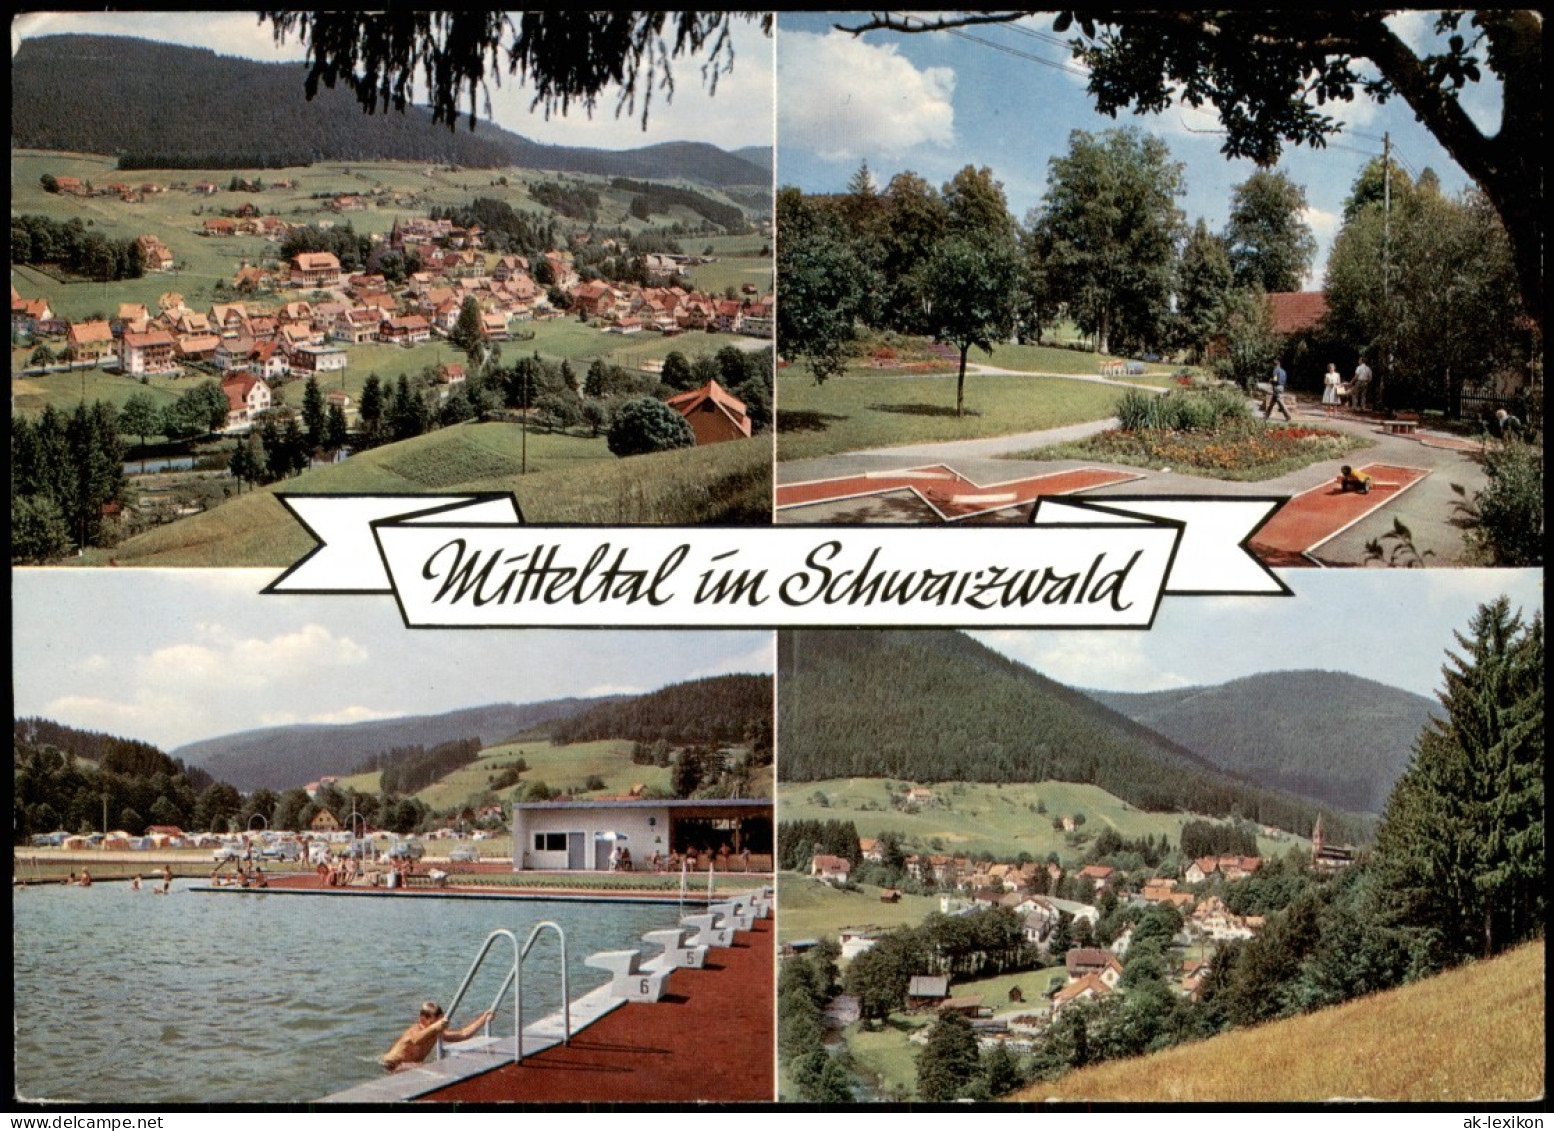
x=247, y=396
x=1087, y=988
x=92, y=339
x=714, y=414
x=148, y=351
x=315, y=269
x=1296, y=312
x=831, y=869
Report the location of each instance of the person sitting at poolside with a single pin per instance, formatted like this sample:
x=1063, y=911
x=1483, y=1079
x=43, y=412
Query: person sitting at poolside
x=1351, y=480
x=416, y=1043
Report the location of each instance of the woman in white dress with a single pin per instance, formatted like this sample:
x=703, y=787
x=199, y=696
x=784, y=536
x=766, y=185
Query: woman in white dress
x=1330, y=383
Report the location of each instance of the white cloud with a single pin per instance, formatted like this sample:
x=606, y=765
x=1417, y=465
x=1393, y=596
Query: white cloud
x=738, y=114
x=611, y=689
x=212, y=684
x=1323, y=223
x=843, y=98
x=1101, y=660
x=227, y=33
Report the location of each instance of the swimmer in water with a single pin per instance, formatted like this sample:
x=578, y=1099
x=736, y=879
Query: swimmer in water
x=417, y=1042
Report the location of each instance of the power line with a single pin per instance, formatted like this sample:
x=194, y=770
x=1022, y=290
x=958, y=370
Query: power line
x=1003, y=48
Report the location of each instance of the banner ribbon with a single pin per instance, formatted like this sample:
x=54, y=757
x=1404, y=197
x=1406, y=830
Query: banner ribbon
x=470, y=561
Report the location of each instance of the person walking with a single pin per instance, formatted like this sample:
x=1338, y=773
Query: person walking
x=1276, y=394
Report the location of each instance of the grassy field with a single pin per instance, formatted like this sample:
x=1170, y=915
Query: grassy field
x=850, y=413
x=811, y=909
x=1050, y=359
x=571, y=479
x=559, y=767
x=887, y=1054
x=1476, y=1033
x=970, y=817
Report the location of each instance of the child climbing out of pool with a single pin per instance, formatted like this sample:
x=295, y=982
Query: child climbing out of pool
x=416, y=1042
x=1351, y=480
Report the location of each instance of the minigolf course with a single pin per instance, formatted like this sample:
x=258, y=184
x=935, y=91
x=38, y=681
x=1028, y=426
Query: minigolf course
x=949, y=494
x=1323, y=512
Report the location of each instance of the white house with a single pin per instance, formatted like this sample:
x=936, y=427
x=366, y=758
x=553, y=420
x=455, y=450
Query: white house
x=579, y=836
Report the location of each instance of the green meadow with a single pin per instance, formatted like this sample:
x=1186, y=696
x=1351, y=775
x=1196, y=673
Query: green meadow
x=860, y=410
x=966, y=818
x=570, y=479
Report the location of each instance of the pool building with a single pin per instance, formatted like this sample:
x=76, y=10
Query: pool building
x=583, y=836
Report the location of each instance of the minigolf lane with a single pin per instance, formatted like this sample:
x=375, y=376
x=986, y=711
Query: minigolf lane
x=951, y=494
x=1325, y=511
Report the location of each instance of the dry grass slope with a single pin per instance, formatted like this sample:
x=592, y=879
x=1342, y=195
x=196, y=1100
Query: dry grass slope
x=1476, y=1033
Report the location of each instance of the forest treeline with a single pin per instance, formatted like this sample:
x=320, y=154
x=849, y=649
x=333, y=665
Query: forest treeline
x=654, y=198
x=937, y=706
x=409, y=769
x=720, y=710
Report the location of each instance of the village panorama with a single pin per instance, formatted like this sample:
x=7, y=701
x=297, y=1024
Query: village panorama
x=187, y=339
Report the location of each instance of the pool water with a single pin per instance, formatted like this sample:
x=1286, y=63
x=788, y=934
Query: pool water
x=201, y=997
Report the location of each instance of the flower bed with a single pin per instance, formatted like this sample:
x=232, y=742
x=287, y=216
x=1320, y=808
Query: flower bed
x=1240, y=451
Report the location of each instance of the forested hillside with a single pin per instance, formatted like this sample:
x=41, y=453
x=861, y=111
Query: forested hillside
x=937, y=706
x=63, y=777
x=719, y=710
x=282, y=757
x=158, y=105
x=1333, y=737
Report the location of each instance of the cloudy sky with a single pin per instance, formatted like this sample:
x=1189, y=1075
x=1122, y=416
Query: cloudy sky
x=174, y=656
x=1390, y=625
x=1008, y=97
x=740, y=114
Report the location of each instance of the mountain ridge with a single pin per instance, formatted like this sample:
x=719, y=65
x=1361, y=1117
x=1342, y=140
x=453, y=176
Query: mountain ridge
x=1338, y=738
x=72, y=93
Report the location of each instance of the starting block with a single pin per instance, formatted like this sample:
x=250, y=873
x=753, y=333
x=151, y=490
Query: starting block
x=709, y=930
x=676, y=951
x=627, y=978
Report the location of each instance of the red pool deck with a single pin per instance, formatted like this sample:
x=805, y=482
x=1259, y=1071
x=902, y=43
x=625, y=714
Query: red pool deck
x=710, y=1039
x=951, y=494
x=1323, y=512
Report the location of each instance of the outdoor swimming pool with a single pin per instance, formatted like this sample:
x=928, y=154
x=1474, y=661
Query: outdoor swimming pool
x=248, y=997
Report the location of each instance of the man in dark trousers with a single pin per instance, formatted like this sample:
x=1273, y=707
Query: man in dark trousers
x=1276, y=394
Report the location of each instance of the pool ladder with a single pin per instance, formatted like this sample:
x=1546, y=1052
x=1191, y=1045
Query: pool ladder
x=515, y=975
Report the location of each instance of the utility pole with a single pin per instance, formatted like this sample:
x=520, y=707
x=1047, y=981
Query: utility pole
x=1386, y=258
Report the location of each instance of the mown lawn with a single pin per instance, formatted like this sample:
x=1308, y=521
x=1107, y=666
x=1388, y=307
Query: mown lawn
x=854, y=412
x=811, y=909
x=570, y=479
x=972, y=817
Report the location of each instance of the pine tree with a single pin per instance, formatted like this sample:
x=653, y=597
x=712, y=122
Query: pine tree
x=1460, y=847
x=314, y=416
x=949, y=1062
x=371, y=411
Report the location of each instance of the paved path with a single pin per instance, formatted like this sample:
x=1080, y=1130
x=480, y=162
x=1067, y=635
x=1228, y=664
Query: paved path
x=1427, y=509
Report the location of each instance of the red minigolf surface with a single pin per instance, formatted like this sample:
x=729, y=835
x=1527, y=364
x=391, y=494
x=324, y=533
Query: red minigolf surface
x=1314, y=516
x=711, y=1038
x=949, y=492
